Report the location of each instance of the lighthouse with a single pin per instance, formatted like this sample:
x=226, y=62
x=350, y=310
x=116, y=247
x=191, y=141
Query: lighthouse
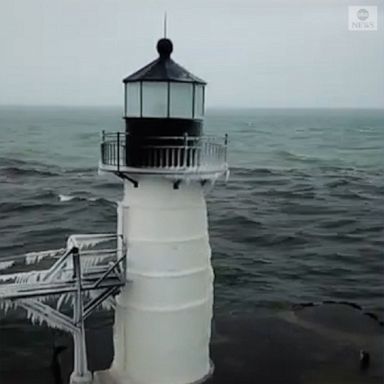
x=163, y=314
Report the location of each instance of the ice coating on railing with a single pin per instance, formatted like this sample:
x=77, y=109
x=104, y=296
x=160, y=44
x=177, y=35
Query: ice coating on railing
x=165, y=154
x=83, y=241
x=36, y=257
x=81, y=278
x=6, y=264
x=93, y=259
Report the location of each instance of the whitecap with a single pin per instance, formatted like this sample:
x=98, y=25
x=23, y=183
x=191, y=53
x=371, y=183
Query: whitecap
x=66, y=197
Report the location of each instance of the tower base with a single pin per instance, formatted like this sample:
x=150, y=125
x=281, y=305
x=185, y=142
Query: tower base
x=84, y=379
x=111, y=376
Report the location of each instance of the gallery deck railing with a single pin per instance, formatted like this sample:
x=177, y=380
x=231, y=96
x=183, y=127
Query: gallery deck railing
x=171, y=153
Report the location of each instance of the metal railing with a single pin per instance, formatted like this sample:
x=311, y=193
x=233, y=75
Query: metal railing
x=170, y=153
x=86, y=277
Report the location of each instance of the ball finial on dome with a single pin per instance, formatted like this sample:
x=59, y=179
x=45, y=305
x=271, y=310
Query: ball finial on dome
x=164, y=47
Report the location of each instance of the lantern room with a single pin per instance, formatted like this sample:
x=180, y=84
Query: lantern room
x=163, y=90
x=163, y=113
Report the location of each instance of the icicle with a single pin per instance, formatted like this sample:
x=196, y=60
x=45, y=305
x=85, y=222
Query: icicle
x=36, y=257
x=64, y=298
x=6, y=264
x=5, y=278
x=89, y=260
x=86, y=241
x=6, y=306
x=109, y=304
x=47, y=317
x=24, y=277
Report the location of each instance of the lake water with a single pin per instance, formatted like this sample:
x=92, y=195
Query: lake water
x=300, y=219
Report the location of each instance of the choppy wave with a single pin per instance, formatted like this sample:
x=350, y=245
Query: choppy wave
x=9, y=161
x=17, y=207
x=81, y=170
x=18, y=167
x=13, y=171
x=67, y=198
x=299, y=157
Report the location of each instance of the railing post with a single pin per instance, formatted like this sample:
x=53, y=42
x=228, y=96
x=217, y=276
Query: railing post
x=80, y=374
x=173, y=157
x=118, y=151
x=225, y=147
x=185, y=149
x=125, y=148
x=102, y=147
x=124, y=254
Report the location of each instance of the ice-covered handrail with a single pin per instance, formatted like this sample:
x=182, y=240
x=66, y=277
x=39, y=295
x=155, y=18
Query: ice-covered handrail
x=61, y=271
x=82, y=241
x=83, y=277
x=6, y=264
x=30, y=257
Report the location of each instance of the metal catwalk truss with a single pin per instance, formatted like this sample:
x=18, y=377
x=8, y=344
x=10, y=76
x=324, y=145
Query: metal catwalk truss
x=80, y=278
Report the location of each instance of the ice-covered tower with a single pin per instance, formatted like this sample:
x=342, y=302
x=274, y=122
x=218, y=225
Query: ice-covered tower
x=163, y=315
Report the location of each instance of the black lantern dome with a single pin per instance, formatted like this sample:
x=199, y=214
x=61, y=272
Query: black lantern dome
x=164, y=68
x=163, y=98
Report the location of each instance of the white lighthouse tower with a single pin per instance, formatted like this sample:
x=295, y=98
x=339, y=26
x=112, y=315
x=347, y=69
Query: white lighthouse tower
x=163, y=314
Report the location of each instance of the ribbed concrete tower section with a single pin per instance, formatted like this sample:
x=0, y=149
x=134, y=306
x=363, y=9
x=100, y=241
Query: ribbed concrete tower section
x=163, y=313
x=163, y=316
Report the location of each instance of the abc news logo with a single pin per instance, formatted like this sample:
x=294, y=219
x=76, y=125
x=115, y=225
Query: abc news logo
x=362, y=18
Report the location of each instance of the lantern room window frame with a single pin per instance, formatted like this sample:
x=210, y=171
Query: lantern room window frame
x=195, y=115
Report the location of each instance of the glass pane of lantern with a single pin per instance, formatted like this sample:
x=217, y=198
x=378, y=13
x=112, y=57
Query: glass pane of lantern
x=181, y=96
x=133, y=99
x=155, y=99
x=199, y=101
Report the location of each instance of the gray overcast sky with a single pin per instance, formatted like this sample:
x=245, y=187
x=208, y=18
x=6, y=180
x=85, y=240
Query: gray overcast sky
x=252, y=53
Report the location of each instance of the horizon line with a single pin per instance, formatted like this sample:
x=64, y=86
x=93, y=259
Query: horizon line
x=215, y=107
